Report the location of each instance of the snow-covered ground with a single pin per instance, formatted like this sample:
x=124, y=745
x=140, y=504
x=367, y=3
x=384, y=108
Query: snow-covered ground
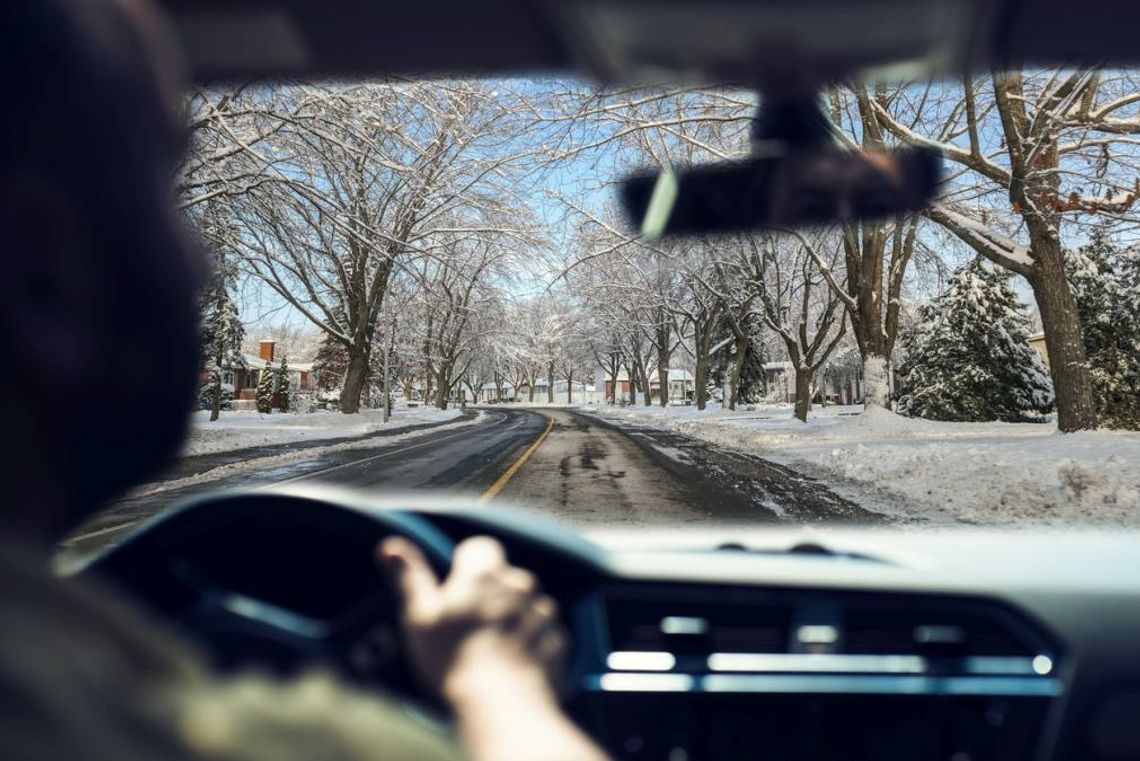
x=240, y=430
x=971, y=472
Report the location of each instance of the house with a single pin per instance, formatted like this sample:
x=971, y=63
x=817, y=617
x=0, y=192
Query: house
x=682, y=385
x=500, y=392
x=1037, y=341
x=840, y=381
x=605, y=384
x=243, y=380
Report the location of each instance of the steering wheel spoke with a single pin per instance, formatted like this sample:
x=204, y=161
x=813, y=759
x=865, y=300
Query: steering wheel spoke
x=283, y=580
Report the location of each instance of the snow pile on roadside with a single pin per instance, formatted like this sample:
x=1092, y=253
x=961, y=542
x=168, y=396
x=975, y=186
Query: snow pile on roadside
x=241, y=430
x=971, y=472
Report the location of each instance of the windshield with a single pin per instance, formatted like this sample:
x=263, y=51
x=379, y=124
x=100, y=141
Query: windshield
x=457, y=249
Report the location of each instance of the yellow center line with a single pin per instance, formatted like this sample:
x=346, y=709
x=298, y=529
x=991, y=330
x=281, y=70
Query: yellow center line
x=503, y=479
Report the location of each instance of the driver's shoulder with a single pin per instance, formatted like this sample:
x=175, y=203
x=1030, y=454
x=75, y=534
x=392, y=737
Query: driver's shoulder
x=316, y=715
x=98, y=676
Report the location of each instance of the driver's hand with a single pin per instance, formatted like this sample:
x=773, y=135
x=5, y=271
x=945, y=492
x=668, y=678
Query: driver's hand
x=487, y=625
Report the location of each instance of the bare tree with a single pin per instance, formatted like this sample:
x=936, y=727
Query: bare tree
x=373, y=175
x=1035, y=151
x=796, y=302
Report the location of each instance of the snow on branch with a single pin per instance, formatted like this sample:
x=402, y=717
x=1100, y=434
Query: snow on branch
x=986, y=241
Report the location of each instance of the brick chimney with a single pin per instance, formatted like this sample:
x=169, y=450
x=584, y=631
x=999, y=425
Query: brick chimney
x=266, y=351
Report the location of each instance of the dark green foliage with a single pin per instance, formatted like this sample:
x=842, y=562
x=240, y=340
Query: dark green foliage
x=968, y=357
x=222, y=335
x=1106, y=283
x=281, y=385
x=265, y=389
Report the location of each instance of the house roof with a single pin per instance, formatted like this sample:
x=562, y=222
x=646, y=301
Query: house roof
x=255, y=362
x=675, y=374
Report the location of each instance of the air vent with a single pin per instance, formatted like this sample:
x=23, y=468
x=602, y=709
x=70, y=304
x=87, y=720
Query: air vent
x=938, y=631
x=690, y=627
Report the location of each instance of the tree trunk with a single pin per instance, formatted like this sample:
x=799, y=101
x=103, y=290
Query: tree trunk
x=1064, y=341
x=550, y=383
x=663, y=379
x=442, y=386
x=569, y=389
x=701, y=374
x=741, y=353
x=355, y=377
x=876, y=382
x=803, y=393
x=216, y=394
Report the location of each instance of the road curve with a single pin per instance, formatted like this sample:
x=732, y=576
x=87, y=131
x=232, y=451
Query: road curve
x=463, y=461
x=567, y=465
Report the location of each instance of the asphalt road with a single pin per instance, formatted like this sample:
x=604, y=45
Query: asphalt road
x=591, y=472
x=564, y=464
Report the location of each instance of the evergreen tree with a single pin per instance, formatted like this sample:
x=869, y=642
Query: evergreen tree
x=1106, y=283
x=969, y=358
x=222, y=336
x=753, y=383
x=265, y=389
x=329, y=368
x=281, y=385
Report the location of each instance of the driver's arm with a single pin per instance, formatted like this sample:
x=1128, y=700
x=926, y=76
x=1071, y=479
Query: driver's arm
x=488, y=641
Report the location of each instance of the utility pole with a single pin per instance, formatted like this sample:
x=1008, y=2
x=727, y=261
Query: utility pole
x=387, y=351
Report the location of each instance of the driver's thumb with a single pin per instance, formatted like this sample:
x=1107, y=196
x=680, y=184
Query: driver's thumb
x=408, y=570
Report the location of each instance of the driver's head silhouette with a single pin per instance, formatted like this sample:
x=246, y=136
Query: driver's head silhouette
x=98, y=335
x=97, y=300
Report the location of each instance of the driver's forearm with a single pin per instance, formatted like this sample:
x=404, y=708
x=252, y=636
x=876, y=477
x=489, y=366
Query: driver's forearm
x=518, y=719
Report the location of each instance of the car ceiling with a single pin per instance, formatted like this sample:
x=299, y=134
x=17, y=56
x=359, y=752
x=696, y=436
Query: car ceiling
x=224, y=39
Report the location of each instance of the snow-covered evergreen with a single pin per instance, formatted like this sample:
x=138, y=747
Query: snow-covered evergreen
x=281, y=390
x=265, y=389
x=1106, y=282
x=222, y=336
x=330, y=365
x=969, y=358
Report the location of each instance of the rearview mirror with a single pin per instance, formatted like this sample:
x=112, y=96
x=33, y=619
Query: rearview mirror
x=801, y=187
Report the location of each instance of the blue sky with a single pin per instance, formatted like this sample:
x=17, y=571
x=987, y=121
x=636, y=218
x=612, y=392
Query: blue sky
x=585, y=178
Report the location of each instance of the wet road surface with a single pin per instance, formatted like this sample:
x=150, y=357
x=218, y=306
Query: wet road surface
x=591, y=472
x=586, y=472
x=462, y=460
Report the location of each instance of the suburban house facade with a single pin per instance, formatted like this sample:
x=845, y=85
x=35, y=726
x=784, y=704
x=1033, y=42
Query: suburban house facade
x=580, y=392
x=839, y=382
x=682, y=386
x=243, y=380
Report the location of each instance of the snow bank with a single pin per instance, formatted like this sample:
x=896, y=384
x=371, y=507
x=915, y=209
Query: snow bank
x=968, y=472
x=240, y=430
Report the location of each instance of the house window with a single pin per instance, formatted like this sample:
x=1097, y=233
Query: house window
x=228, y=377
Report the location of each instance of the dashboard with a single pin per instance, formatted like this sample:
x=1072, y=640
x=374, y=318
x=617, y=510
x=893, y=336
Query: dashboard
x=746, y=643
x=836, y=644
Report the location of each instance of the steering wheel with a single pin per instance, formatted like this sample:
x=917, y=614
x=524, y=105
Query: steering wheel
x=281, y=579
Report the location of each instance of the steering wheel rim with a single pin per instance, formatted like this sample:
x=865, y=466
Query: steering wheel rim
x=157, y=562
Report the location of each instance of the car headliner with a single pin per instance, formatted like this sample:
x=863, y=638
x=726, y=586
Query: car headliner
x=321, y=38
